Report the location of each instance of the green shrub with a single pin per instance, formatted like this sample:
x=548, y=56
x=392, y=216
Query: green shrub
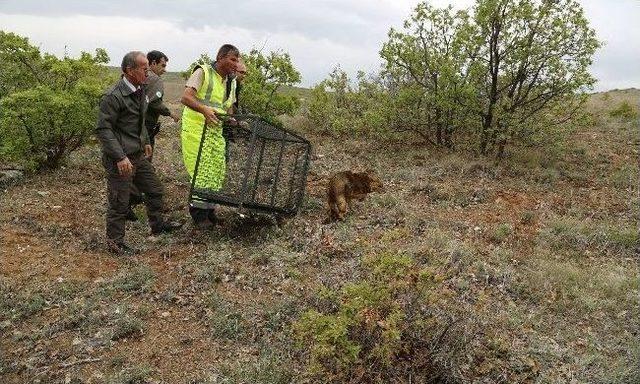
x=624, y=111
x=338, y=108
x=53, y=112
x=501, y=233
x=385, y=316
x=127, y=326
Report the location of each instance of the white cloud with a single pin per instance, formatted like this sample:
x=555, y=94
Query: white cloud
x=318, y=34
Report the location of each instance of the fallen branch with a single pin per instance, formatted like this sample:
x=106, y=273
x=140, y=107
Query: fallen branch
x=77, y=362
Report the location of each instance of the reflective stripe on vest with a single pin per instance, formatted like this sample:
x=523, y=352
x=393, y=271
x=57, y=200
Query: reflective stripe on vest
x=209, y=80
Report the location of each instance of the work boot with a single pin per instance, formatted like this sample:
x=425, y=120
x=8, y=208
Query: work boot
x=121, y=248
x=165, y=227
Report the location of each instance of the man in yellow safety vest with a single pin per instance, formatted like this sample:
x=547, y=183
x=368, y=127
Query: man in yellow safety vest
x=205, y=96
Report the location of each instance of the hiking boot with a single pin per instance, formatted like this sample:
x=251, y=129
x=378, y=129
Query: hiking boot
x=131, y=216
x=121, y=248
x=165, y=227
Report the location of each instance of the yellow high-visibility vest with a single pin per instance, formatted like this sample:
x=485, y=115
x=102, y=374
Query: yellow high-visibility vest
x=211, y=169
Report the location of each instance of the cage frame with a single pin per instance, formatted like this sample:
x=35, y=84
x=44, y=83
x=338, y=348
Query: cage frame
x=208, y=200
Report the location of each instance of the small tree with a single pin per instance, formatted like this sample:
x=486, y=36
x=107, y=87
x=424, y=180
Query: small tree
x=506, y=72
x=266, y=75
x=430, y=69
x=536, y=55
x=338, y=106
x=20, y=62
x=53, y=112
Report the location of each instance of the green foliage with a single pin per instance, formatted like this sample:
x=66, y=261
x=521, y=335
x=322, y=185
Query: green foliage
x=538, y=55
x=266, y=74
x=431, y=70
x=375, y=322
x=127, y=326
x=339, y=108
x=501, y=233
x=21, y=64
x=624, y=111
x=503, y=73
x=47, y=105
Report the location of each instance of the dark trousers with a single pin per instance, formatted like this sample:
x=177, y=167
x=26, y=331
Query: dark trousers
x=136, y=196
x=119, y=189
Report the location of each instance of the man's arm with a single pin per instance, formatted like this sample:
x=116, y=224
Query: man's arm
x=155, y=102
x=144, y=137
x=107, y=117
x=189, y=100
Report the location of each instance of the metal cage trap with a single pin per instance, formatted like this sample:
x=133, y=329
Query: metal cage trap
x=266, y=168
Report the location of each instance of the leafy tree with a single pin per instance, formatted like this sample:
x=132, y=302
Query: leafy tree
x=337, y=106
x=513, y=64
x=536, y=55
x=20, y=63
x=429, y=67
x=53, y=111
x=266, y=75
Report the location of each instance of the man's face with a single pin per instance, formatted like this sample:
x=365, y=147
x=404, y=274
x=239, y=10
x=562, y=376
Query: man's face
x=227, y=65
x=138, y=75
x=159, y=67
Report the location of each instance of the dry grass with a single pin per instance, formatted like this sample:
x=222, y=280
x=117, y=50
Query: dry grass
x=540, y=256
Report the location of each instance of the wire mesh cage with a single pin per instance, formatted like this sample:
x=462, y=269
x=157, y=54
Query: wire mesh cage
x=266, y=168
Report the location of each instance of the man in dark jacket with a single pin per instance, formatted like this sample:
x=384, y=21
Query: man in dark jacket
x=125, y=153
x=155, y=91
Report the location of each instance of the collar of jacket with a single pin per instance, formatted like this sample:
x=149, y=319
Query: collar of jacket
x=124, y=88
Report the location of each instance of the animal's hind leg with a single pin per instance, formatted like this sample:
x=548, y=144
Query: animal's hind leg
x=342, y=207
x=333, y=212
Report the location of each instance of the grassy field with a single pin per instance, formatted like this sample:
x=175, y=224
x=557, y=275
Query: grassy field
x=535, y=258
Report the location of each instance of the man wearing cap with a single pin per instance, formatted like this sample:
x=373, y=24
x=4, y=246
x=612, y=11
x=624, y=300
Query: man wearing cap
x=125, y=153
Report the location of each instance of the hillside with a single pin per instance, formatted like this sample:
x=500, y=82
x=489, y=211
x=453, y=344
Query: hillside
x=535, y=259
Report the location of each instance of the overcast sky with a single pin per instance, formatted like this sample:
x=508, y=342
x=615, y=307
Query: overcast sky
x=318, y=34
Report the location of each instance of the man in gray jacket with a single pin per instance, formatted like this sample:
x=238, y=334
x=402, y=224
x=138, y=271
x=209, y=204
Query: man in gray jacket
x=125, y=152
x=155, y=91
